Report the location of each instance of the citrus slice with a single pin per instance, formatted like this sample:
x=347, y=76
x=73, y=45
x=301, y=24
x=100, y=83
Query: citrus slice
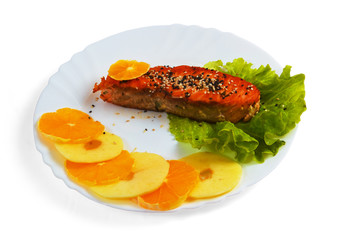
x=127, y=69
x=175, y=189
x=107, y=172
x=69, y=125
x=104, y=147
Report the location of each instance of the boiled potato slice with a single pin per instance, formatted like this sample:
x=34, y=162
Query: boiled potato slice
x=105, y=147
x=218, y=174
x=149, y=172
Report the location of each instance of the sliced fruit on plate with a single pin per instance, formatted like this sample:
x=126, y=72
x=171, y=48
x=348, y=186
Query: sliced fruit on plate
x=69, y=125
x=218, y=174
x=175, y=189
x=127, y=69
x=105, y=147
x=148, y=173
x=107, y=172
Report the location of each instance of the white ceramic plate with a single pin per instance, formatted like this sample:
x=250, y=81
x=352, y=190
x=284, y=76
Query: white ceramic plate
x=170, y=45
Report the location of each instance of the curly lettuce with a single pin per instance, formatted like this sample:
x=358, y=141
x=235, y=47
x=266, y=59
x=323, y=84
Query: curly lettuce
x=282, y=103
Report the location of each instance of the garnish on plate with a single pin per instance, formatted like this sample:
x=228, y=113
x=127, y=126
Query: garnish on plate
x=104, y=147
x=175, y=189
x=101, y=173
x=218, y=174
x=148, y=173
x=69, y=125
x=105, y=169
x=127, y=69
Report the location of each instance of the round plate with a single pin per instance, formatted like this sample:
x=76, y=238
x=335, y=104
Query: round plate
x=148, y=131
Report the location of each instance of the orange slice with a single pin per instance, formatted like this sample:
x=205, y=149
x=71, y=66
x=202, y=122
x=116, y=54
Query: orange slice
x=127, y=69
x=69, y=125
x=175, y=189
x=101, y=173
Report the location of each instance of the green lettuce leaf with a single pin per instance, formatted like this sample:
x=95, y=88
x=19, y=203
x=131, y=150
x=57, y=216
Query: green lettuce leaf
x=282, y=103
x=220, y=136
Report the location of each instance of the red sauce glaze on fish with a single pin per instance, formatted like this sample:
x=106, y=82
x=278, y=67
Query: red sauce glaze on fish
x=211, y=95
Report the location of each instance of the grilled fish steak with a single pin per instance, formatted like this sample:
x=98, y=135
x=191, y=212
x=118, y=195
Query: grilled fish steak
x=193, y=92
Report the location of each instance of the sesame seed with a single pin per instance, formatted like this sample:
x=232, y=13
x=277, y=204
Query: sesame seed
x=206, y=82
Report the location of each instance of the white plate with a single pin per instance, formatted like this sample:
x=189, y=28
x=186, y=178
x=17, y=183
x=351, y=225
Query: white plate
x=170, y=45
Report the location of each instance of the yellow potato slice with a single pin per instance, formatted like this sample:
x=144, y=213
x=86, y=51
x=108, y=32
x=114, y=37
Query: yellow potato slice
x=149, y=172
x=218, y=174
x=103, y=148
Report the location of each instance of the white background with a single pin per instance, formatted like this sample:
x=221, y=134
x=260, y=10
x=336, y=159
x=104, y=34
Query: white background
x=313, y=194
